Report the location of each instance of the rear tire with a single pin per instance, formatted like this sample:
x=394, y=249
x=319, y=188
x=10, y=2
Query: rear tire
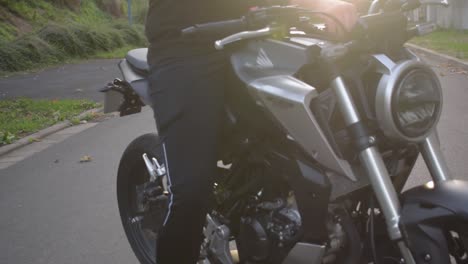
x=132, y=172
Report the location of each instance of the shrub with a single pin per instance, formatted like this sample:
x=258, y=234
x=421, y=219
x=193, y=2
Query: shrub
x=64, y=38
x=55, y=43
x=26, y=52
x=132, y=34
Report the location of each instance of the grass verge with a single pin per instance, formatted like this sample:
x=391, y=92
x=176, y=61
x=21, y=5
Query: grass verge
x=450, y=42
x=20, y=117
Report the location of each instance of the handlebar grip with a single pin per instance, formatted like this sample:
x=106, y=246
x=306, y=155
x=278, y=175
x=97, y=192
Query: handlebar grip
x=215, y=29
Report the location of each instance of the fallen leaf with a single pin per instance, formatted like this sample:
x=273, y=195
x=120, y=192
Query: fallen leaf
x=85, y=158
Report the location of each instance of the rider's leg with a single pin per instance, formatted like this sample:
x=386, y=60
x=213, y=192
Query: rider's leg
x=188, y=99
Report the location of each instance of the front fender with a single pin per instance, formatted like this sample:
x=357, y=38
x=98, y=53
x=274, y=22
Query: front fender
x=429, y=213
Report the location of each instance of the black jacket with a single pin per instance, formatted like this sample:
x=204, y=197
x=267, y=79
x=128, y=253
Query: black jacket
x=166, y=19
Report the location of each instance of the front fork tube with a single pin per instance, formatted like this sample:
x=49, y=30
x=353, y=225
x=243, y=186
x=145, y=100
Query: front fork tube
x=376, y=170
x=435, y=161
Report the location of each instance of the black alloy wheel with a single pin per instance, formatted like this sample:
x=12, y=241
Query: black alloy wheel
x=140, y=219
x=458, y=244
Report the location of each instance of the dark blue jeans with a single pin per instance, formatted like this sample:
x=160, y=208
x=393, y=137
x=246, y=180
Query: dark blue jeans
x=187, y=95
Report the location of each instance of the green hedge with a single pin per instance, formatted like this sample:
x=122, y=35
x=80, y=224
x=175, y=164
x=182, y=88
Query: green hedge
x=56, y=43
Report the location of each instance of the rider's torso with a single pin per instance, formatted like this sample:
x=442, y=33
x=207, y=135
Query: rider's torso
x=166, y=19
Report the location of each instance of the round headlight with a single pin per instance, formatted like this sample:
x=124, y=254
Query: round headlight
x=416, y=103
x=409, y=101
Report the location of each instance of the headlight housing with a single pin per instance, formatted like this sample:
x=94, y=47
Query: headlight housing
x=408, y=101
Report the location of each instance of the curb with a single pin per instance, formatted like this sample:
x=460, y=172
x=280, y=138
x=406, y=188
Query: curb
x=439, y=56
x=44, y=133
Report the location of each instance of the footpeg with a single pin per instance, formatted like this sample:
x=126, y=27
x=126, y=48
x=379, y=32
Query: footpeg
x=155, y=169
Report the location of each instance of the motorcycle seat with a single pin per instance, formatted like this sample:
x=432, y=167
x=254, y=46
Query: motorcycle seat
x=137, y=59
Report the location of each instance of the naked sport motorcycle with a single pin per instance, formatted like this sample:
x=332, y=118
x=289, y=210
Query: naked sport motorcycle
x=319, y=137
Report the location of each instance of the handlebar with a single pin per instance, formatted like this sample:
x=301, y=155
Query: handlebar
x=253, y=20
x=215, y=29
x=264, y=22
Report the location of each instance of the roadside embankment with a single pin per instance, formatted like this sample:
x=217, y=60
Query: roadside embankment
x=34, y=34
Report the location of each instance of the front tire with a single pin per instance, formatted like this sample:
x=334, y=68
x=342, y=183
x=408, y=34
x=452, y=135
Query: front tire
x=132, y=173
x=458, y=244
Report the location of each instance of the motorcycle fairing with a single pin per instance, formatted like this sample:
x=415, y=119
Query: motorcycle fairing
x=268, y=57
x=429, y=213
x=267, y=68
x=288, y=99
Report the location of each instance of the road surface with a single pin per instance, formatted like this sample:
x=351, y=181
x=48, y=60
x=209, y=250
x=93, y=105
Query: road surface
x=76, y=81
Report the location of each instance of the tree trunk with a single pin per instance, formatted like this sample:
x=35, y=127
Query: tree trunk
x=112, y=7
x=74, y=4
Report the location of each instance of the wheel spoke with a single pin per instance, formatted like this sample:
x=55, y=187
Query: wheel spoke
x=136, y=219
x=458, y=244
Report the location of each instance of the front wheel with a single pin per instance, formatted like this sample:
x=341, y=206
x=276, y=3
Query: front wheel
x=458, y=245
x=140, y=213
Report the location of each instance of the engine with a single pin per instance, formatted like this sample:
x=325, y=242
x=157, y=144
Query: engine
x=269, y=232
x=271, y=229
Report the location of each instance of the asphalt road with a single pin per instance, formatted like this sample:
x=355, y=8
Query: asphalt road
x=57, y=210
x=76, y=81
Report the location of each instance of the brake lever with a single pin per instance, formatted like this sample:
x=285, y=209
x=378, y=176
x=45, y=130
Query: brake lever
x=220, y=44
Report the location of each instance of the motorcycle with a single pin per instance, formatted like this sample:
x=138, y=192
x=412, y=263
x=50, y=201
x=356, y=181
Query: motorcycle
x=319, y=138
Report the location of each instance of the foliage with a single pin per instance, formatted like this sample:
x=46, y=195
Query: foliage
x=59, y=33
x=19, y=117
x=139, y=9
x=7, y=31
x=450, y=42
x=56, y=43
x=6, y=138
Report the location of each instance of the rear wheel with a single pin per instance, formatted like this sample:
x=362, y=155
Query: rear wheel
x=141, y=213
